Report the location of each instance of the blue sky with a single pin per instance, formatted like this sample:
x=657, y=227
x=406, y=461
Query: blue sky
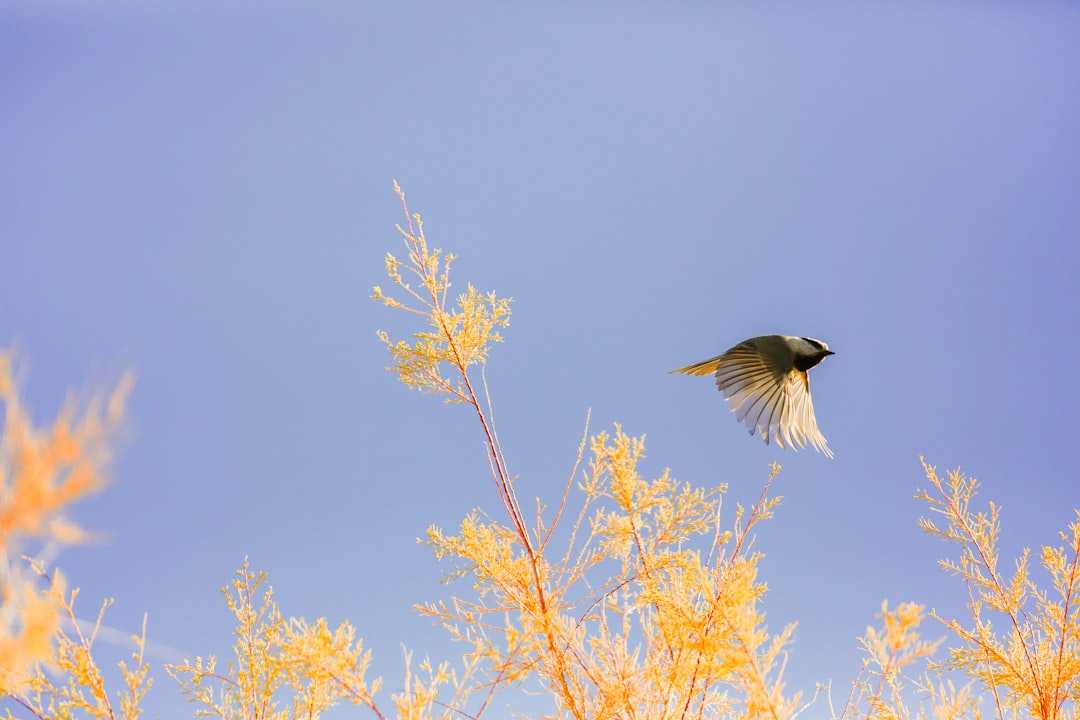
x=205, y=196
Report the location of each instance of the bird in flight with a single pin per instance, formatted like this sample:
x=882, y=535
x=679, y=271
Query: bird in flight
x=765, y=381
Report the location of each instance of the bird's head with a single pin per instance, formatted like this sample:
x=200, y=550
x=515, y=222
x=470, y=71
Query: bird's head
x=809, y=346
x=808, y=352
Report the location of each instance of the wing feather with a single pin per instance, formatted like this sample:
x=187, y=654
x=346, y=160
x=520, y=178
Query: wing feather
x=802, y=421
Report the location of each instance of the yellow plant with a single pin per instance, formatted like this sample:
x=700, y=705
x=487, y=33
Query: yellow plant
x=290, y=669
x=888, y=684
x=649, y=609
x=1029, y=669
x=1031, y=666
x=270, y=678
x=71, y=685
x=459, y=337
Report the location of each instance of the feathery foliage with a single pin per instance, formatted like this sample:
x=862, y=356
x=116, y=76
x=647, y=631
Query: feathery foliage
x=888, y=681
x=71, y=685
x=650, y=609
x=458, y=337
x=1032, y=666
x=282, y=670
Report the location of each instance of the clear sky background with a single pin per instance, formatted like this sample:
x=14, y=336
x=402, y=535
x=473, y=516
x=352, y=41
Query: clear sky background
x=204, y=195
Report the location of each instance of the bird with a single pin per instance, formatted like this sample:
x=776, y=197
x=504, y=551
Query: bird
x=765, y=382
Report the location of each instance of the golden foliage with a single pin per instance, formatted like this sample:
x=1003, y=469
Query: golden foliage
x=289, y=669
x=42, y=472
x=72, y=685
x=629, y=619
x=1030, y=669
x=459, y=337
x=1032, y=666
x=282, y=669
x=886, y=683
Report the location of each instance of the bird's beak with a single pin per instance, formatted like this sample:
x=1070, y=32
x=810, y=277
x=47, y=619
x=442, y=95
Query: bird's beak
x=829, y=352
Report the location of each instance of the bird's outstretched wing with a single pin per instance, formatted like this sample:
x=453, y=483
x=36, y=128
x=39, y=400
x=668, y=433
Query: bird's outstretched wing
x=798, y=425
x=766, y=392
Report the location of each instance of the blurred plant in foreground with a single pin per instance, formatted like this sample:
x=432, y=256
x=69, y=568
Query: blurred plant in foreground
x=45, y=659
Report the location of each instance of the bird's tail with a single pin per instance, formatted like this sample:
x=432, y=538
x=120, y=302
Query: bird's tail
x=705, y=367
